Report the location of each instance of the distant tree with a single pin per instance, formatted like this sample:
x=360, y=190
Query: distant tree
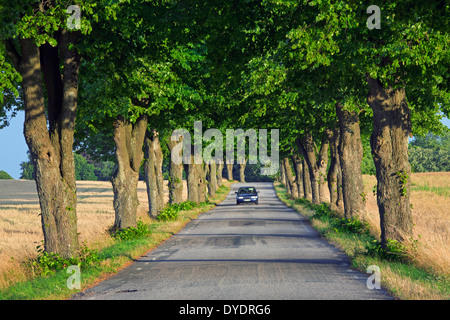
x=432, y=141
x=83, y=169
x=27, y=169
x=430, y=153
x=4, y=175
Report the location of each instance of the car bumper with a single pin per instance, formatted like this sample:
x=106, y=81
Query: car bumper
x=246, y=200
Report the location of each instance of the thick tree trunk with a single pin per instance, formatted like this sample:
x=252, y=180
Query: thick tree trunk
x=334, y=173
x=153, y=173
x=230, y=171
x=350, y=157
x=389, y=143
x=293, y=190
x=52, y=151
x=129, y=139
x=298, y=169
x=175, y=174
x=306, y=147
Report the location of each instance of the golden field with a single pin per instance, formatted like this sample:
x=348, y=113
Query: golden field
x=20, y=223
x=430, y=199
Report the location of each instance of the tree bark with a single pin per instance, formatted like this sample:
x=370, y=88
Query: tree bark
x=350, y=157
x=322, y=163
x=192, y=179
x=298, y=169
x=129, y=139
x=293, y=190
x=153, y=173
x=201, y=181
x=282, y=173
x=389, y=144
x=51, y=150
x=175, y=175
x=242, y=171
x=219, y=173
x=211, y=177
x=306, y=181
x=334, y=173
x=230, y=171
x=306, y=147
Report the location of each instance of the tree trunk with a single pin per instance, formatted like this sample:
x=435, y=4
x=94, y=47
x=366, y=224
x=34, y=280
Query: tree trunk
x=153, y=173
x=51, y=149
x=306, y=181
x=306, y=147
x=290, y=178
x=201, y=181
x=230, y=171
x=192, y=180
x=129, y=139
x=389, y=143
x=350, y=157
x=175, y=175
x=298, y=169
x=334, y=173
x=242, y=171
x=282, y=173
x=211, y=177
x=322, y=163
x=219, y=173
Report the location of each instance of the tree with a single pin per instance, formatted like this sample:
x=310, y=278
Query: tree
x=402, y=67
x=39, y=51
x=4, y=175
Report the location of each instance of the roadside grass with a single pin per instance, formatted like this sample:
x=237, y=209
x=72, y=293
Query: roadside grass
x=47, y=283
x=400, y=275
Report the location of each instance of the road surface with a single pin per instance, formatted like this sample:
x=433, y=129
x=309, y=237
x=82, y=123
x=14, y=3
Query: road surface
x=264, y=251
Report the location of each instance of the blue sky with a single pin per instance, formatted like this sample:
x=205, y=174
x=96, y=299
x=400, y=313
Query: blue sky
x=14, y=149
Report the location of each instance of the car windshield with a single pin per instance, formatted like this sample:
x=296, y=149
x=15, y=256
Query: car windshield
x=247, y=190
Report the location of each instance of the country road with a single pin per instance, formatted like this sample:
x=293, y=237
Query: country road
x=264, y=251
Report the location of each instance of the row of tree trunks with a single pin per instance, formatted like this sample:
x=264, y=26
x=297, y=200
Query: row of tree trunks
x=316, y=164
x=291, y=185
x=389, y=144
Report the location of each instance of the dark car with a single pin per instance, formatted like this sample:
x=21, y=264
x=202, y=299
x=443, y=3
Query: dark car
x=247, y=194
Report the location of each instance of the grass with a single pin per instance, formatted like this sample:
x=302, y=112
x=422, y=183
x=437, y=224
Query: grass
x=403, y=276
x=110, y=256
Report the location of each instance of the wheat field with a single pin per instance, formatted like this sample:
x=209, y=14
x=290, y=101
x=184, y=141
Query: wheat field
x=430, y=199
x=20, y=222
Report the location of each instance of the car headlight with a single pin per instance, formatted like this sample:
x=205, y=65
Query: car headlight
x=254, y=197
x=240, y=197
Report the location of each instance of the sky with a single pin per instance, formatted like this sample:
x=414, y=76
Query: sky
x=14, y=148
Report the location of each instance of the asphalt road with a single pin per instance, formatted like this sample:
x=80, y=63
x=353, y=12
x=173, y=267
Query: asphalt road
x=264, y=251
